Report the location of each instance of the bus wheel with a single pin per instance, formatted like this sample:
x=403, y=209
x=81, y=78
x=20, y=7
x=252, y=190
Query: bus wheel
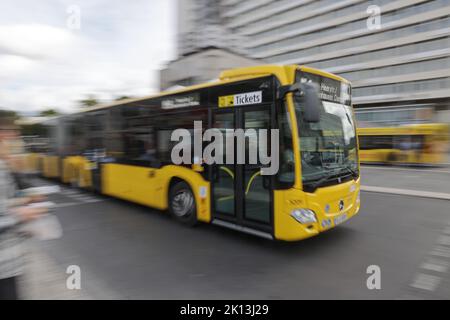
x=391, y=158
x=182, y=204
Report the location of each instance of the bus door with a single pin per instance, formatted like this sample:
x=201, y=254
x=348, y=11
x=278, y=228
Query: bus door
x=240, y=194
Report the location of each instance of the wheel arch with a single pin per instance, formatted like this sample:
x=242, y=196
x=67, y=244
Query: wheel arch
x=195, y=181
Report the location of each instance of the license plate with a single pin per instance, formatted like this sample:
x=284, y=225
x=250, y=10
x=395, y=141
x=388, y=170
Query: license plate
x=340, y=219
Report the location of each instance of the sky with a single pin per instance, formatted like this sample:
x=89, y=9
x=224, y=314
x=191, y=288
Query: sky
x=54, y=53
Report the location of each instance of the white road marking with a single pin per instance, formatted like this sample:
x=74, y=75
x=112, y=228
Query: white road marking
x=81, y=196
x=92, y=201
x=444, y=240
x=69, y=191
x=85, y=198
x=72, y=204
x=425, y=282
x=407, y=192
x=435, y=265
x=67, y=204
x=441, y=251
x=74, y=194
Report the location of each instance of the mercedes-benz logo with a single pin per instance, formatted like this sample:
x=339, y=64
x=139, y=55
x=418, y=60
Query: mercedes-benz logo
x=341, y=205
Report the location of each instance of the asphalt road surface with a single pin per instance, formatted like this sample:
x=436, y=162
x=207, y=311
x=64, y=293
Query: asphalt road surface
x=126, y=251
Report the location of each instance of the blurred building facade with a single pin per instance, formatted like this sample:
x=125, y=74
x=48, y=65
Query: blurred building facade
x=201, y=66
x=202, y=24
x=206, y=46
x=400, y=68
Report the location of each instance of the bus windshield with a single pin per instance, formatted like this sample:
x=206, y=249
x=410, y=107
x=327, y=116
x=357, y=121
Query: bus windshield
x=329, y=151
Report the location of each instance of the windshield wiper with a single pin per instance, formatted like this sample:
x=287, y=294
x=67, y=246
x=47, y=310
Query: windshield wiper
x=349, y=169
x=335, y=175
x=315, y=184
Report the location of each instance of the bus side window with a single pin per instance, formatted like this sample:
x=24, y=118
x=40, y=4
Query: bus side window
x=165, y=124
x=132, y=124
x=114, y=140
x=76, y=136
x=383, y=142
x=365, y=143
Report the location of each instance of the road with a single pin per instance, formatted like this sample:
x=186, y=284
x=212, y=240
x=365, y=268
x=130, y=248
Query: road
x=426, y=179
x=127, y=251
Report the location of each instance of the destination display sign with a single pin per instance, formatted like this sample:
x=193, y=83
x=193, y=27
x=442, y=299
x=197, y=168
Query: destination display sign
x=329, y=89
x=183, y=101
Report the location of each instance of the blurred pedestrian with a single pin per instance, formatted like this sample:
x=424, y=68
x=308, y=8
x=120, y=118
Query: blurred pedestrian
x=13, y=213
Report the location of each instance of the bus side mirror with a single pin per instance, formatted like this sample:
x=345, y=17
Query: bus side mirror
x=308, y=95
x=310, y=101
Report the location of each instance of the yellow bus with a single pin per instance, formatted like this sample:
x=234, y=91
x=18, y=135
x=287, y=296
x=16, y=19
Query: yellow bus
x=415, y=144
x=124, y=150
x=35, y=136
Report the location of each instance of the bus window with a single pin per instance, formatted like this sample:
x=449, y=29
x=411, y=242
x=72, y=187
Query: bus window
x=95, y=123
x=139, y=144
x=365, y=143
x=376, y=142
x=165, y=124
x=75, y=136
x=286, y=176
x=138, y=137
x=409, y=143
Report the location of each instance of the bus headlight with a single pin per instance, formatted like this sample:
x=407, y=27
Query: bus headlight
x=304, y=216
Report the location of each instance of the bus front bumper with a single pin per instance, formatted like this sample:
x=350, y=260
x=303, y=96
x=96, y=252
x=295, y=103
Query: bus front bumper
x=304, y=215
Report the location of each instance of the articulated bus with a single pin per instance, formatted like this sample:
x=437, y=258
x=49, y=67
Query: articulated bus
x=124, y=150
x=415, y=144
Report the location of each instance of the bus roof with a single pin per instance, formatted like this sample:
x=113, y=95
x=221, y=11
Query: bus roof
x=284, y=73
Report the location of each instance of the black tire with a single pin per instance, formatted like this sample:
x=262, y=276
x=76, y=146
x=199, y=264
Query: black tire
x=182, y=204
x=391, y=158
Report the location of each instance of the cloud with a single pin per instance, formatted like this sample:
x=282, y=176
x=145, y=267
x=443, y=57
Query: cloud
x=118, y=51
x=35, y=41
x=13, y=64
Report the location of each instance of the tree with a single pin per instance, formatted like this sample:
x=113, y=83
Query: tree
x=89, y=102
x=122, y=98
x=49, y=113
x=9, y=114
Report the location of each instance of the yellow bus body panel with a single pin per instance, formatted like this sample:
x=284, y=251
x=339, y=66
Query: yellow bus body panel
x=77, y=170
x=375, y=156
x=85, y=173
x=50, y=166
x=150, y=187
x=32, y=162
x=436, y=137
x=70, y=165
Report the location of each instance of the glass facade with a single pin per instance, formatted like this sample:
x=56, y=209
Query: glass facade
x=406, y=59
